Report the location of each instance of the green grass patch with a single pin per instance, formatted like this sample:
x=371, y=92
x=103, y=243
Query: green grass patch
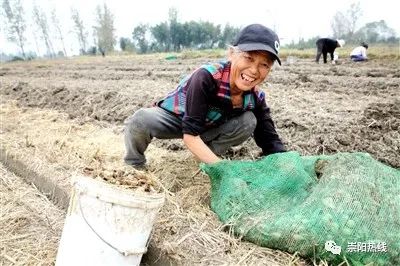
x=378, y=51
x=210, y=53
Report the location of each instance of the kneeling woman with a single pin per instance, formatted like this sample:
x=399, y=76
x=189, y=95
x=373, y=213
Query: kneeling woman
x=216, y=107
x=359, y=53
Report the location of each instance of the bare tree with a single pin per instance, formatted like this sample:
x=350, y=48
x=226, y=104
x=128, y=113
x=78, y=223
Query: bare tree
x=353, y=13
x=40, y=19
x=35, y=39
x=339, y=25
x=80, y=30
x=105, y=31
x=57, y=26
x=344, y=24
x=15, y=23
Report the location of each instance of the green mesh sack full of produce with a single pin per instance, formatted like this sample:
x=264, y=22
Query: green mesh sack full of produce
x=343, y=207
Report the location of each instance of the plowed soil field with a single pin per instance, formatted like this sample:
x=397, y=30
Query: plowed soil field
x=65, y=117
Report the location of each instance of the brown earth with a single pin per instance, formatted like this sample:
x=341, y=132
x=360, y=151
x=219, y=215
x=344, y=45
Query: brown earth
x=317, y=108
x=30, y=224
x=66, y=116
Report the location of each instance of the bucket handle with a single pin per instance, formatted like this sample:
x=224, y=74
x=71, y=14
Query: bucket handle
x=122, y=252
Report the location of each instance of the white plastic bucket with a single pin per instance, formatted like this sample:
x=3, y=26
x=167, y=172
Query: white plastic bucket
x=106, y=225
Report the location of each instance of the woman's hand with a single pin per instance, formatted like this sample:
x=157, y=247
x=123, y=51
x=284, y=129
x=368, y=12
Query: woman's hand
x=197, y=146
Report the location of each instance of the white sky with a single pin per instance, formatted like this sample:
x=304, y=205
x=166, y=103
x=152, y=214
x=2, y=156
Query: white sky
x=290, y=19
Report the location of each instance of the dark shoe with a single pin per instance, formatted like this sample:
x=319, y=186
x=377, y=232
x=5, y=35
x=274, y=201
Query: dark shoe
x=139, y=167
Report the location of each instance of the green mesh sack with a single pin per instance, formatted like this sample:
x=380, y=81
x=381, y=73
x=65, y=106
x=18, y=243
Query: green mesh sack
x=343, y=207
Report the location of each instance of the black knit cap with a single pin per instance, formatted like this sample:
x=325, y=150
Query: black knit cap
x=256, y=37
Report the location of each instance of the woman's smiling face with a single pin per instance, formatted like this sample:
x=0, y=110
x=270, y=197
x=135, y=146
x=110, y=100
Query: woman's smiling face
x=248, y=69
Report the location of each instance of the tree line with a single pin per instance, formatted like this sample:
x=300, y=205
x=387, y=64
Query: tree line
x=47, y=28
x=344, y=26
x=172, y=35
x=167, y=36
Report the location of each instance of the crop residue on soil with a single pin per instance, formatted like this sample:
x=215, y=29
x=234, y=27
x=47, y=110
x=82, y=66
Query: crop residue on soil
x=66, y=117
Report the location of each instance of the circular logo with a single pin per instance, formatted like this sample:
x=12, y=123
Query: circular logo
x=277, y=46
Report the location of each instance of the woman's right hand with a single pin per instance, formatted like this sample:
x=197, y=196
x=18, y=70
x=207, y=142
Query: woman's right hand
x=199, y=149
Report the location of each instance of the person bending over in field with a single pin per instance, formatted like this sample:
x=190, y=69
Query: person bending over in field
x=325, y=46
x=359, y=53
x=216, y=107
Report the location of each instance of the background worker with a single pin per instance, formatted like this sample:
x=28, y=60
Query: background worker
x=359, y=53
x=327, y=45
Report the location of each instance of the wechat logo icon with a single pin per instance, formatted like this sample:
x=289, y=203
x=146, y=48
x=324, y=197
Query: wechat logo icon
x=332, y=247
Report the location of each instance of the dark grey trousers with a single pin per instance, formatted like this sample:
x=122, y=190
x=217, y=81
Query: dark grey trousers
x=321, y=49
x=147, y=123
